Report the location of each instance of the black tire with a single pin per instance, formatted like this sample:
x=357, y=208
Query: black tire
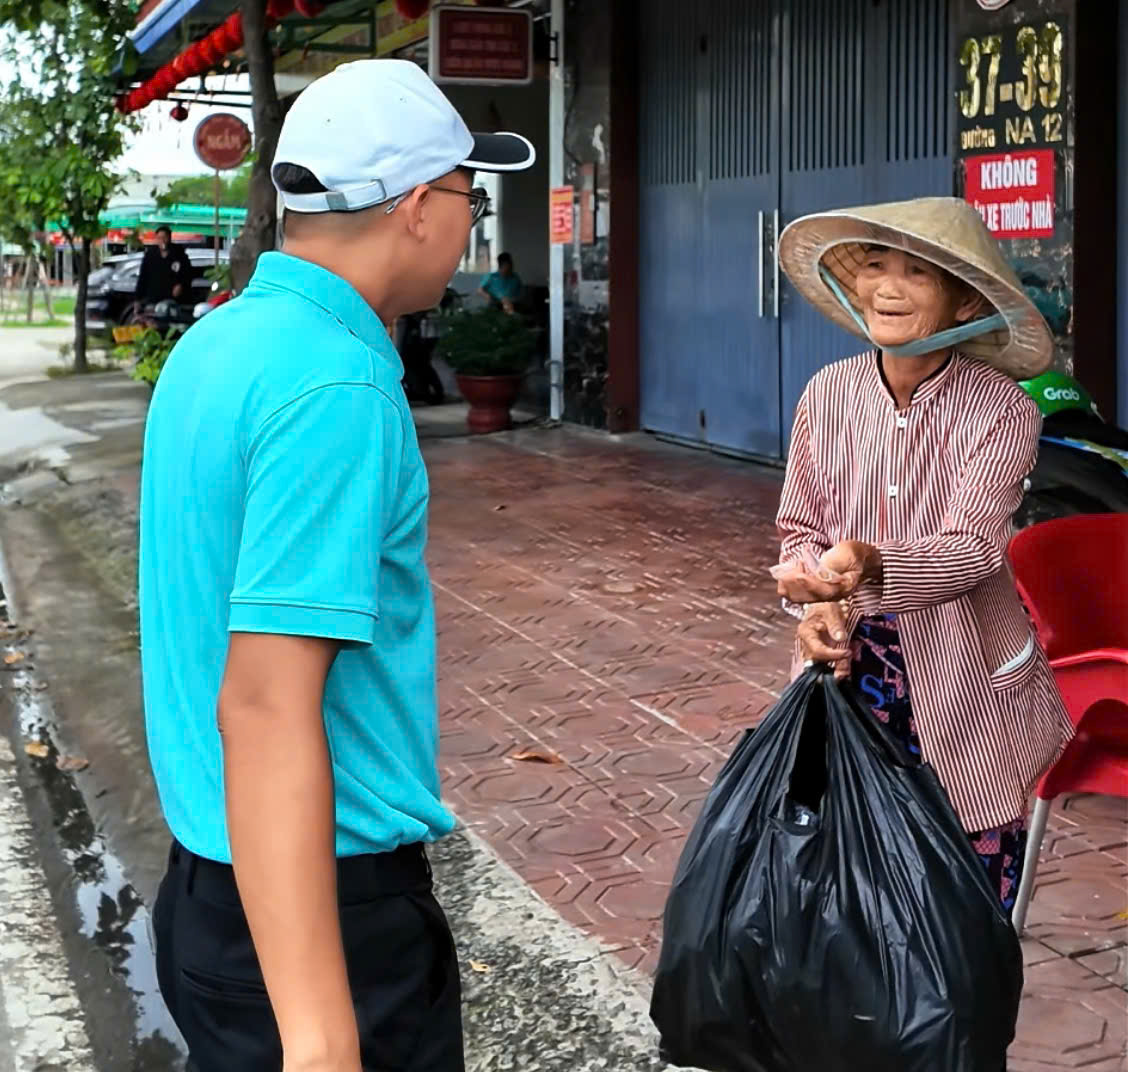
x=1052, y=503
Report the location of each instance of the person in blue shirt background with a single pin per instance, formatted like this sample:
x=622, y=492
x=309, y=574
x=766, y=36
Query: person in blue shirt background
x=502, y=288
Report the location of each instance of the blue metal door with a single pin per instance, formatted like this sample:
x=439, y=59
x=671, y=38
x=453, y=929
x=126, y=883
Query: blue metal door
x=670, y=210
x=755, y=112
x=739, y=346
x=867, y=118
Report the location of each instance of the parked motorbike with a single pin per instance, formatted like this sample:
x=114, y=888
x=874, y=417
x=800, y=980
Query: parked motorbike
x=1082, y=461
x=163, y=316
x=219, y=295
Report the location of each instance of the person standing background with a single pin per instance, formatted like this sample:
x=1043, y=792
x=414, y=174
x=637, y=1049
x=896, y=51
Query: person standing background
x=166, y=271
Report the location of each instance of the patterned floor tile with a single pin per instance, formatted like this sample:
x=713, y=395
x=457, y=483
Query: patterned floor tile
x=606, y=607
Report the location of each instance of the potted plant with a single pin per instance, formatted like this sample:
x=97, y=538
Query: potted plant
x=489, y=352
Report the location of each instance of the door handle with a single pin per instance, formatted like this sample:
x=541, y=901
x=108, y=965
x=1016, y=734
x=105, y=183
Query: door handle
x=775, y=263
x=760, y=264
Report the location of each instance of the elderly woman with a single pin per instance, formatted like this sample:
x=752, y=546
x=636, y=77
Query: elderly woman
x=906, y=467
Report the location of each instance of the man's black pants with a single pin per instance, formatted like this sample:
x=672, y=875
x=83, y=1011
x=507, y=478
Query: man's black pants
x=402, y=966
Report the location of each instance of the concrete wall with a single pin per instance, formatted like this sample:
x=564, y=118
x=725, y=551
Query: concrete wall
x=1122, y=224
x=522, y=203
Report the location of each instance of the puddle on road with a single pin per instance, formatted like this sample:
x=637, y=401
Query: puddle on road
x=30, y=435
x=113, y=915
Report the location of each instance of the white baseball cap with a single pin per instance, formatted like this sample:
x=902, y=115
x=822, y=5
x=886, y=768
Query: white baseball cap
x=373, y=130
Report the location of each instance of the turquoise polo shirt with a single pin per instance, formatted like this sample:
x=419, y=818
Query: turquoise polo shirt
x=283, y=491
x=502, y=288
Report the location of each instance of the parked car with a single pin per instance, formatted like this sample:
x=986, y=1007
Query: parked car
x=109, y=295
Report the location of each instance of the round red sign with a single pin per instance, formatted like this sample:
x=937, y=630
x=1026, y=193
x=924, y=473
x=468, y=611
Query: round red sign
x=222, y=141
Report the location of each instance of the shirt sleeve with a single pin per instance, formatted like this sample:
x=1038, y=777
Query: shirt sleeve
x=318, y=492
x=972, y=542
x=801, y=520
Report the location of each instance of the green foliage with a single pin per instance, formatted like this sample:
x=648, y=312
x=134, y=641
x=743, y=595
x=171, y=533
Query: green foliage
x=148, y=352
x=486, y=342
x=220, y=275
x=59, y=131
x=200, y=189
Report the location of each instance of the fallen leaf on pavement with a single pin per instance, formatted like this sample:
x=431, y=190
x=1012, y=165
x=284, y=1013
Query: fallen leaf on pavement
x=14, y=657
x=532, y=755
x=480, y=968
x=37, y=749
x=72, y=763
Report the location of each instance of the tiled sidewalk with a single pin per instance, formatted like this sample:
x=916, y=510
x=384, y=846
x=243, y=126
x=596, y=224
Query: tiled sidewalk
x=607, y=630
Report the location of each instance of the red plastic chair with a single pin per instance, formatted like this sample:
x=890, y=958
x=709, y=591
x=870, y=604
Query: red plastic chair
x=1072, y=575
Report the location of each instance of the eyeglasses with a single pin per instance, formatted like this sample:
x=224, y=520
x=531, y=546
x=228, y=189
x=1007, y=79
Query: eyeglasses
x=479, y=201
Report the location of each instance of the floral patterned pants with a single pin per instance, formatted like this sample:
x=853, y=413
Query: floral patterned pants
x=878, y=672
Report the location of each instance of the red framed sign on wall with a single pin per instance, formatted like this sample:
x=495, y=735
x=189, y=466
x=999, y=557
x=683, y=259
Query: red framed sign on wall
x=481, y=45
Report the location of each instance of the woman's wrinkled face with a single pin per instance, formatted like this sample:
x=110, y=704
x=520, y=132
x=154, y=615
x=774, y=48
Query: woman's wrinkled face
x=906, y=298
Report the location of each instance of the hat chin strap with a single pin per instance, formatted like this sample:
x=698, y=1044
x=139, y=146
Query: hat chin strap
x=930, y=344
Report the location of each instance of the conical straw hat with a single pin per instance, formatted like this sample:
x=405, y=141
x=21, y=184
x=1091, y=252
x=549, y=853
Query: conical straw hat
x=944, y=230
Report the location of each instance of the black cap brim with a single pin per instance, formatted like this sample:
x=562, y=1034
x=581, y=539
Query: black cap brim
x=501, y=152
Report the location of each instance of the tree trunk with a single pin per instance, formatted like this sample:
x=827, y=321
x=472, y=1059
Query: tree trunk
x=262, y=219
x=80, y=364
x=29, y=284
x=45, y=279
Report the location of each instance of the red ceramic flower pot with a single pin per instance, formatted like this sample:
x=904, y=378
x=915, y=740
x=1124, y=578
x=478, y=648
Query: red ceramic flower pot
x=490, y=398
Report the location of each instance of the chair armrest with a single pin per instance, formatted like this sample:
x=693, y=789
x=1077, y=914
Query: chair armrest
x=1086, y=658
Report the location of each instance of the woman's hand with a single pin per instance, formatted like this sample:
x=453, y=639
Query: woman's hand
x=839, y=573
x=822, y=637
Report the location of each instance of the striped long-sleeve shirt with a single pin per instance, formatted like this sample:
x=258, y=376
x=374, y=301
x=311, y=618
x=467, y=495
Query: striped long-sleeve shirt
x=935, y=487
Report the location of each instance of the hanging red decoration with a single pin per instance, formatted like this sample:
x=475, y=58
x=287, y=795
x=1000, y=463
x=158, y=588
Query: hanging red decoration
x=218, y=37
x=194, y=60
x=182, y=66
x=179, y=113
x=412, y=9
x=210, y=51
x=165, y=79
x=233, y=29
x=279, y=9
x=309, y=9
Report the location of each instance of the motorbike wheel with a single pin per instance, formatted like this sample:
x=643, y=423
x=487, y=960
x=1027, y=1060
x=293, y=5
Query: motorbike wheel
x=137, y=315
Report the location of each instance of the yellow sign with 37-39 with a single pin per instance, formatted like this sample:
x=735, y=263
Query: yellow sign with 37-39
x=1013, y=88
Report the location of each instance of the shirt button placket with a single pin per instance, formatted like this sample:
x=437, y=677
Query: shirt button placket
x=900, y=424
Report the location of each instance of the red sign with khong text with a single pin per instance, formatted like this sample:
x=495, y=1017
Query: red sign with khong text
x=1014, y=192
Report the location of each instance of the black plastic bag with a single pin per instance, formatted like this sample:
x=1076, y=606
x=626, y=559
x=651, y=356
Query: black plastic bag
x=829, y=913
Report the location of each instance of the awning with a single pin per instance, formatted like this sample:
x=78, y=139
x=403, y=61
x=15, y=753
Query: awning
x=192, y=220
x=164, y=21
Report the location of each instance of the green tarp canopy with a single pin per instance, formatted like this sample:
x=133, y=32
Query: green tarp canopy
x=197, y=219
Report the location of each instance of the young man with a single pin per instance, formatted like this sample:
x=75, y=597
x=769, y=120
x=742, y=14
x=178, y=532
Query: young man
x=288, y=638
x=503, y=287
x=166, y=271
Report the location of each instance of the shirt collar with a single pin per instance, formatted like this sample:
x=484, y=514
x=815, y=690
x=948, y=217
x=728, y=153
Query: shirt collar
x=926, y=389
x=304, y=279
